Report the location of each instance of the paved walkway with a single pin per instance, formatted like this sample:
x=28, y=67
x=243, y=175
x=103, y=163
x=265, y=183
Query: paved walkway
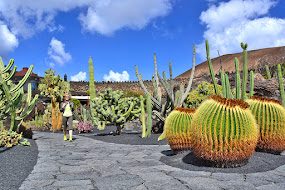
x=90, y=164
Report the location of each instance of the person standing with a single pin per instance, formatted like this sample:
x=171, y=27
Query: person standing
x=67, y=107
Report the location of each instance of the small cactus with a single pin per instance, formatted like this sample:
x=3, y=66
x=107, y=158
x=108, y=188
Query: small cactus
x=223, y=132
x=177, y=129
x=270, y=117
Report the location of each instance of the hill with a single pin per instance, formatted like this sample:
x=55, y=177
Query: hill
x=255, y=59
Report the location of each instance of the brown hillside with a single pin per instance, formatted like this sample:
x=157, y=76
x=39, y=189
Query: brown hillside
x=255, y=59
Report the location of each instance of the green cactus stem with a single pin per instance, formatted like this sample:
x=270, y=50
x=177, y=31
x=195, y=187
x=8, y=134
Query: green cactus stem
x=227, y=86
x=91, y=80
x=223, y=84
x=245, y=72
x=251, y=83
x=270, y=117
x=148, y=107
x=211, y=67
x=267, y=72
x=223, y=132
x=177, y=129
x=237, y=79
x=281, y=86
x=143, y=117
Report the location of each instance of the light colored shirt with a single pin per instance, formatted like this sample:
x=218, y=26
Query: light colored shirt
x=67, y=111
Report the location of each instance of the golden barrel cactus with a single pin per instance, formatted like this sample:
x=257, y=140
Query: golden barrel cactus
x=223, y=132
x=177, y=129
x=270, y=117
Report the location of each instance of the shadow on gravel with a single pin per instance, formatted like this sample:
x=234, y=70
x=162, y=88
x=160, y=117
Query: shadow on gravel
x=3, y=149
x=259, y=162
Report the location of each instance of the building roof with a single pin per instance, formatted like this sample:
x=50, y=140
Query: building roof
x=23, y=72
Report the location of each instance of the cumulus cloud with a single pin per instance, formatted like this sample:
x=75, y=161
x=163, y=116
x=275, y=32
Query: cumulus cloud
x=57, y=53
x=24, y=18
x=117, y=76
x=104, y=16
x=8, y=41
x=233, y=22
x=81, y=76
x=109, y=16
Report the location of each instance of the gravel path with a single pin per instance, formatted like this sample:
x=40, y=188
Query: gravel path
x=91, y=164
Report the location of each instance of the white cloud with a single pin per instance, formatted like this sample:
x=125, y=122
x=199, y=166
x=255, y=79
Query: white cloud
x=117, y=76
x=104, y=16
x=233, y=22
x=8, y=41
x=81, y=76
x=109, y=16
x=24, y=18
x=57, y=52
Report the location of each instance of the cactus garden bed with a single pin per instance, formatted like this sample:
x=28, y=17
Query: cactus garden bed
x=259, y=162
x=17, y=163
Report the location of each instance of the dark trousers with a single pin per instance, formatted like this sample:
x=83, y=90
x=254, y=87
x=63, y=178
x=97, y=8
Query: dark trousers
x=65, y=120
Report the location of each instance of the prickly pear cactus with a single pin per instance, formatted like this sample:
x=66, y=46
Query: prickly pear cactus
x=177, y=129
x=223, y=132
x=112, y=108
x=270, y=117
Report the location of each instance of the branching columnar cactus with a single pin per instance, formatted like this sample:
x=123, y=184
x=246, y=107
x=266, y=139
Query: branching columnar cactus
x=12, y=96
x=54, y=87
x=239, y=95
x=223, y=132
x=270, y=117
x=173, y=99
x=177, y=129
x=111, y=107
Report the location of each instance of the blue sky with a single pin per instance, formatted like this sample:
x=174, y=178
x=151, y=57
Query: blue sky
x=120, y=34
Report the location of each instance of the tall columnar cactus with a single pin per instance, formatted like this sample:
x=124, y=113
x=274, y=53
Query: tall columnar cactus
x=173, y=99
x=270, y=117
x=177, y=129
x=91, y=80
x=281, y=86
x=237, y=79
x=143, y=117
x=111, y=107
x=267, y=72
x=211, y=67
x=245, y=72
x=223, y=84
x=149, y=109
x=227, y=86
x=251, y=83
x=12, y=96
x=223, y=132
x=55, y=88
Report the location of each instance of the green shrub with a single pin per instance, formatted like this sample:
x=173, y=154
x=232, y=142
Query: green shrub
x=196, y=97
x=76, y=103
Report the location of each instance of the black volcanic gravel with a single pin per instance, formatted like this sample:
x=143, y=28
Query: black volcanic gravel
x=259, y=162
x=16, y=163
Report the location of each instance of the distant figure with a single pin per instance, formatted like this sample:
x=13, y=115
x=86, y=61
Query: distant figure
x=67, y=107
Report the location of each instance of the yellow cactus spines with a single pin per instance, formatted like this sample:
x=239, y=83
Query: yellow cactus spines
x=270, y=117
x=177, y=129
x=223, y=132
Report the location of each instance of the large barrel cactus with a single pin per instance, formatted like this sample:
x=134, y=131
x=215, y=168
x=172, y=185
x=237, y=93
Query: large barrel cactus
x=177, y=129
x=223, y=132
x=270, y=117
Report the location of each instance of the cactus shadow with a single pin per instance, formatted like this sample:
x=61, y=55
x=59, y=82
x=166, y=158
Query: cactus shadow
x=168, y=153
x=3, y=149
x=194, y=160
